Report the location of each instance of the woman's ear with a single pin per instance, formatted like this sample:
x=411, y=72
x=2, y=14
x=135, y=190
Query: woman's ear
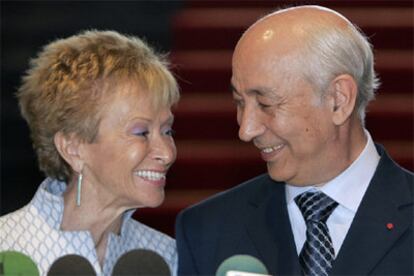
x=68, y=147
x=344, y=92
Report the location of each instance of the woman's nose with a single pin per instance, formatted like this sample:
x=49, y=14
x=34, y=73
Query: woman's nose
x=164, y=151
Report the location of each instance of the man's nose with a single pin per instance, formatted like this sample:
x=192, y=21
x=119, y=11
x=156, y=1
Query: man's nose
x=250, y=125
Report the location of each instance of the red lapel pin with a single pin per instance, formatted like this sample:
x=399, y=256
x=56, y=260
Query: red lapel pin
x=390, y=226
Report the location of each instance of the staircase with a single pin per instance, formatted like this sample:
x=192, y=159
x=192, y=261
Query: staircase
x=210, y=156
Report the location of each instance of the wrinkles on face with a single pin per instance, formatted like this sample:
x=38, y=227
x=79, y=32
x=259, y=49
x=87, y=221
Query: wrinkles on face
x=133, y=135
x=283, y=113
x=280, y=111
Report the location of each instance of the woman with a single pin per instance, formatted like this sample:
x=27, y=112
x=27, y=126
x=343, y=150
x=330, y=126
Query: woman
x=98, y=107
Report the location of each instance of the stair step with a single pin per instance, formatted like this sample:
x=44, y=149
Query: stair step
x=220, y=28
x=213, y=116
x=223, y=164
x=181, y=196
x=207, y=71
x=163, y=217
x=271, y=4
x=212, y=103
x=212, y=164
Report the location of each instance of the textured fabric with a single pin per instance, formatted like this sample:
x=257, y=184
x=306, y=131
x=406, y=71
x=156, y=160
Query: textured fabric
x=344, y=190
x=317, y=253
x=35, y=231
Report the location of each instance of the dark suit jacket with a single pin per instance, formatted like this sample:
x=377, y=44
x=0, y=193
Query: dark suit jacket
x=252, y=219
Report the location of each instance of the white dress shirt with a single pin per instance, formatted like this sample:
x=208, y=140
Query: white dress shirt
x=34, y=230
x=347, y=189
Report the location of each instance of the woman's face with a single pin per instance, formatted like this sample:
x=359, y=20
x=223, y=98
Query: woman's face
x=134, y=148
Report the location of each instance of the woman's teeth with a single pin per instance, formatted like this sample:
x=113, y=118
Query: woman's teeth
x=150, y=175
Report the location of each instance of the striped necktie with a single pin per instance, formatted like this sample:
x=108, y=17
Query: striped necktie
x=317, y=253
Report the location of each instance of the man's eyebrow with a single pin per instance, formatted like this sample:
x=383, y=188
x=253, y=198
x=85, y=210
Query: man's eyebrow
x=260, y=91
x=266, y=92
x=252, y=91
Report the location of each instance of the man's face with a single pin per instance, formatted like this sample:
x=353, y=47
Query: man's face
x=285, y=118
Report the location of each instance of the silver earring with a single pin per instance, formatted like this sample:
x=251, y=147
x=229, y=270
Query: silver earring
x=79, y=189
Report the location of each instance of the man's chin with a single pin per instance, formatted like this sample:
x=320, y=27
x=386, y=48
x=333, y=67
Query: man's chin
x=277, y=176
x=287, y=177
x=277, y=173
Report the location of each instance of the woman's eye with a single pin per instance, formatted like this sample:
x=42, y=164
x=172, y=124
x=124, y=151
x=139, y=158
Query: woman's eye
x=142, y=133
x=170, y=132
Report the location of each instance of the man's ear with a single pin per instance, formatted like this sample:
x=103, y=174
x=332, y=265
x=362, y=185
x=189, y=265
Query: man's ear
x=343, y=90
x=68, y=147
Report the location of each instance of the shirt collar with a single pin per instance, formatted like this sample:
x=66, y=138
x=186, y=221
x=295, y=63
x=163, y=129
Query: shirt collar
x=349, y=187
x=49, y=203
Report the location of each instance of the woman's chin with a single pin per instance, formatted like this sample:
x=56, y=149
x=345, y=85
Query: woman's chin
x=153, y=201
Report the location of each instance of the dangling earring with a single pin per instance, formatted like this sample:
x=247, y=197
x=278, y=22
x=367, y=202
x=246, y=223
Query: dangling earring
x=79, y=189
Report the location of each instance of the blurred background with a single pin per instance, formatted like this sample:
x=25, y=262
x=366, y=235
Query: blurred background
x=200, y=36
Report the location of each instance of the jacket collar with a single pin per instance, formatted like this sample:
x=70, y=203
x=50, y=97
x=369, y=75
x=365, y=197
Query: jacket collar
x=384, y=215
x=268, y=227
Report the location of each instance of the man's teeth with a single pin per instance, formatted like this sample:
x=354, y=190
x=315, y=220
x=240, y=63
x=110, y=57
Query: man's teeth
x=271, y=149
x=151, y=175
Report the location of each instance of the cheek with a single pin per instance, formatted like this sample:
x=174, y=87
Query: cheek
x=127, y=153
x=280, y=123
x=103, y=157
x=173, y=149
x=316, y=130
x=135, y=154
x=295, y=127
x=239, y=115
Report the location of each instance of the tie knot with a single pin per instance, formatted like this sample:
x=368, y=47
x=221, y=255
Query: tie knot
x=315, y=206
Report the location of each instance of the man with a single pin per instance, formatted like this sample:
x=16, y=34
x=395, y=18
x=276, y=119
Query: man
x=332, y=202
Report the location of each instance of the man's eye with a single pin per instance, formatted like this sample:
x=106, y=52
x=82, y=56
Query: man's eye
x=238, y=102
x=264, y=106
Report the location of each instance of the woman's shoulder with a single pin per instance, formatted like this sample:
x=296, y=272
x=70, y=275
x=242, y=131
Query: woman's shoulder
x=147, y=232
x=14, y=226
x=141, y=236
x=11, y=220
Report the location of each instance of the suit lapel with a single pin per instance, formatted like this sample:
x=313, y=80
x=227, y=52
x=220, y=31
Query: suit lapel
x=387, y=202
x=268, y=227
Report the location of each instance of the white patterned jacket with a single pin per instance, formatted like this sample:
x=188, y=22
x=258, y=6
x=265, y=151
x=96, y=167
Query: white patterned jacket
x=34, y=230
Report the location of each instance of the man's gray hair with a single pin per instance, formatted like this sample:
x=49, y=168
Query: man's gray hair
x=330, y=51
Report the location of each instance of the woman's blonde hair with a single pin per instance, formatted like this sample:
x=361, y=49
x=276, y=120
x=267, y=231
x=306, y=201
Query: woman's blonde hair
x=66, y=85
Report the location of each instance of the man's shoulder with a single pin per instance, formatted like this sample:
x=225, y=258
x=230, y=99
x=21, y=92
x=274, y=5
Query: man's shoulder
x=236, y=199
x=388, y=168
x=392, y=179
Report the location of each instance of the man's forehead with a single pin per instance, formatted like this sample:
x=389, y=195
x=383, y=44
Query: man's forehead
x=288, y=28
x=267, y=45
x=306, y=14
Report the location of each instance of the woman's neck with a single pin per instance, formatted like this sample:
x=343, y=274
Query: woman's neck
x=94, y=214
